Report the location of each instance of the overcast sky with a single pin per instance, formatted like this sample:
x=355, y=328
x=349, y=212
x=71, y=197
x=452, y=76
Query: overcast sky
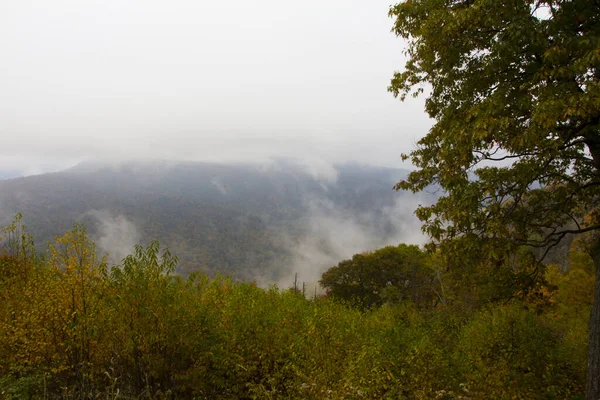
x=200, y=80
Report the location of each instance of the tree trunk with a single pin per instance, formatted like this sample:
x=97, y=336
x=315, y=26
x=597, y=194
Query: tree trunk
x=593, y=367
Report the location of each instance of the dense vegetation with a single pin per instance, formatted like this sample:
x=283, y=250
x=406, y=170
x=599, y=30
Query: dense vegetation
x=515, y=148
x=513, y=87
x=238, y=219
x=388, y=275
x=70, y=327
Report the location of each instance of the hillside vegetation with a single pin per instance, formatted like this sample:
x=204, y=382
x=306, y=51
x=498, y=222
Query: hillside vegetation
x=244, y=220
x=70, y=327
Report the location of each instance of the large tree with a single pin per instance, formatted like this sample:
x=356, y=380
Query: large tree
x=513, y=87
x=390, y=274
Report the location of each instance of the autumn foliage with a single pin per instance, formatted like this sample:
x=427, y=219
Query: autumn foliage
x=73, y=327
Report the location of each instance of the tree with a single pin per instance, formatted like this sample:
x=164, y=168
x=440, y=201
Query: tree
x=144, y=299
x=514, y=89
x=79, y=287
x=389, y=274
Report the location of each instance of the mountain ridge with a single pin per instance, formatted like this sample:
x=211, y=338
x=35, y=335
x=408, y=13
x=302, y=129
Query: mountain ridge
x=242, y=219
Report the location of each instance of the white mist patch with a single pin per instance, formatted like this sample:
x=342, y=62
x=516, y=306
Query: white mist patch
x=332, y=235
x=116, y=235
x=320, y=169
x=219, y=185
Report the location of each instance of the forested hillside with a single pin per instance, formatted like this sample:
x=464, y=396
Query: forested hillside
x=246, y=220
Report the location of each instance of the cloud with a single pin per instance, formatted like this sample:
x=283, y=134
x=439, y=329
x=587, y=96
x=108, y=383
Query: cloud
x=320, y=169
x=332, y=234
x=115, y=235
x=201, y=80
x=219, y=185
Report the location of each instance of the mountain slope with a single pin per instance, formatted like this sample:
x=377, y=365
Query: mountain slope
x=248, y=220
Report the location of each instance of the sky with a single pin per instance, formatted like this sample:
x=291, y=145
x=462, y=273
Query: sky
x=201, y=80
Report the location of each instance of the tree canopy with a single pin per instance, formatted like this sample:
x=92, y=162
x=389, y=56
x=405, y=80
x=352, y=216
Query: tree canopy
x=390, y=274
x=514, y=89
x=71, y=327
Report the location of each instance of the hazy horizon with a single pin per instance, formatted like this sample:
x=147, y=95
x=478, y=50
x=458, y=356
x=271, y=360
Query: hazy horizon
x=210, y=81
x=205, y=81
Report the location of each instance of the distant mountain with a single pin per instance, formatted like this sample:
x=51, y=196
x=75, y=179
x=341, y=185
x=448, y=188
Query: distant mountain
x=248, y=220
x=9, y=174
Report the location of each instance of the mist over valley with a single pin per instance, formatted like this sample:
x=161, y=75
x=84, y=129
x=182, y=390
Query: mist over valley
x=253, y=221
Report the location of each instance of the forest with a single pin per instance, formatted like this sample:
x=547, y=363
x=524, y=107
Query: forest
x=482, y=311
x=242, y=220
x=395, y=323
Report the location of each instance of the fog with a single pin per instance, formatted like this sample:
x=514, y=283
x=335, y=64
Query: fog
x=199, y=80
x=331, y=235
x=115, y=235
x=225, y=82
x=312, y=214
